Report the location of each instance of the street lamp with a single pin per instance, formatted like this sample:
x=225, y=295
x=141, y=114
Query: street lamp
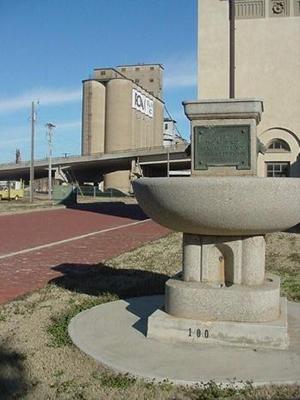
x=33, y=121
x=49, y=127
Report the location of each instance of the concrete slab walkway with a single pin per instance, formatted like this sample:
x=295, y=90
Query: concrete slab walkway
x=33, y=246
x=114, y=334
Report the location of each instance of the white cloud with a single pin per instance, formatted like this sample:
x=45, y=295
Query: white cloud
x=43, y=95
x=180, y=71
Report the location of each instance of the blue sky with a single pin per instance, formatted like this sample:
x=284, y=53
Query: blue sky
x=49, y=46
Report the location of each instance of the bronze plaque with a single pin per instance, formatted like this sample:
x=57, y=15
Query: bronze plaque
x=222, y=146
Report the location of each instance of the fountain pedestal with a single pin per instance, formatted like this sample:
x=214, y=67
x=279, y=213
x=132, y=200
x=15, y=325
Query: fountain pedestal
x=224, y=279
x=223, y=296
x=224, y=210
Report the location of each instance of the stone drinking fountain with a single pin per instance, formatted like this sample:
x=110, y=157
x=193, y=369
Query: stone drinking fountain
x=222, y=317
x=223, y=294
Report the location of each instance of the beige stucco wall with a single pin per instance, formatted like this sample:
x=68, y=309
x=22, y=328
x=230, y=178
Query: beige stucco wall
x=213, y=52
x=93, y=117
x=267, y=66
x=280, y=156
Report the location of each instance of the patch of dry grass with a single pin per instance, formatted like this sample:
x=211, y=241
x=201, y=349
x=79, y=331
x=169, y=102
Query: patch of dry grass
x=283, y=259
x=163, y=256
x=32, y=366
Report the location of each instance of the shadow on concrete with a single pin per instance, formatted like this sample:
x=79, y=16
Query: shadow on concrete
x=143, y=308
x=13, y=379
x=118, y=209
x=99, y=279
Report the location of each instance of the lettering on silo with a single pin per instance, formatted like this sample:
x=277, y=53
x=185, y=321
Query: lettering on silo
x=142, y=103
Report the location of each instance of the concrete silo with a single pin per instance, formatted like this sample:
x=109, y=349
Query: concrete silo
x=118, y=132
x=118, y=180
x=158, y=123
x=120, y=115
x=93, y=117
x=134, y=120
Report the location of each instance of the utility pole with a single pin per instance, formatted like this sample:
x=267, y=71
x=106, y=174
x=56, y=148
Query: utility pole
x=49, y=127
x=168, y=162
x=32, y=152
x=232, y=49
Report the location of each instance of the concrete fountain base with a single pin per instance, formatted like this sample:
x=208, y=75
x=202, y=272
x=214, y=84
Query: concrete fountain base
x=115, y=335
x=272, y=334
x=239, y=303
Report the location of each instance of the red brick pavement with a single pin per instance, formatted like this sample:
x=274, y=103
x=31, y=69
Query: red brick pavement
x=23, y=273
x=21, y=231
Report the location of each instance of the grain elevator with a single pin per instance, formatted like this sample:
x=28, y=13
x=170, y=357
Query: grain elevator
x=122, y=109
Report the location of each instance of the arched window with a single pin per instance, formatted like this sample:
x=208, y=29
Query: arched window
x=278, y=145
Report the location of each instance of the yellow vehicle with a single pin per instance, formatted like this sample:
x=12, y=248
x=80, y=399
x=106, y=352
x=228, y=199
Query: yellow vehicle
x=11, y=190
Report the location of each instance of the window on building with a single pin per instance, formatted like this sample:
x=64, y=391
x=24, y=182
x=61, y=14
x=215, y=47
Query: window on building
x=249, y=9
x=123, y=69
x=137, y=68
x=278, y=145
x=151, y=80
x=103, y=72
x=151, y=68
x=278, y=169
x=166, y=126
x=137, y=81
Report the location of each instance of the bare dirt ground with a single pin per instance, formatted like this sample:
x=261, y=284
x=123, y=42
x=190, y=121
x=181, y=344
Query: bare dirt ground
x=37, y=360
x=7, y=207
x=24, y=205
x=41, y=202
x=91, y=199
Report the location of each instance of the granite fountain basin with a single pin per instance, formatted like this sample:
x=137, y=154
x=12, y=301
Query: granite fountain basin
x=221, y=206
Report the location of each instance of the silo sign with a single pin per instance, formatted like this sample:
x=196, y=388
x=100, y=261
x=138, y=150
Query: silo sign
x=142, y=103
